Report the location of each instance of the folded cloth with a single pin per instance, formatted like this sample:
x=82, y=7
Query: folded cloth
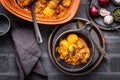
x=28, y=54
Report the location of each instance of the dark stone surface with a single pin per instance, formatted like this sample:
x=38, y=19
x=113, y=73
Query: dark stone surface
x=4, y=64
x=105, y=71
x=115, y=64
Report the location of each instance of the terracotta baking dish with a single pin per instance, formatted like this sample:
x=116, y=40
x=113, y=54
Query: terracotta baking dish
x=15, y=9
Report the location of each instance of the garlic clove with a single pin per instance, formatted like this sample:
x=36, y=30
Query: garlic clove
x=104, y=12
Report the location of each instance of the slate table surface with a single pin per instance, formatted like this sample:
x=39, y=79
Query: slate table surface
x=105, y=71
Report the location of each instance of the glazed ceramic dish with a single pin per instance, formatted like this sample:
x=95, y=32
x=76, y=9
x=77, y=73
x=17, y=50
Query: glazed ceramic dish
x=71, y=25
x=98, y=21
x=25, y=14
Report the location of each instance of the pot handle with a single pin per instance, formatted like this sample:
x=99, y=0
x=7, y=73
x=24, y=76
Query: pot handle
x=86, y=29
x=101, y=50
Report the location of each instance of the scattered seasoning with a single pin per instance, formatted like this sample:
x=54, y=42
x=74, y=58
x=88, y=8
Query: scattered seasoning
x=116, y=14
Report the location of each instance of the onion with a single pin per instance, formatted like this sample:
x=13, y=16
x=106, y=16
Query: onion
x=93, y=11
x=103, y=2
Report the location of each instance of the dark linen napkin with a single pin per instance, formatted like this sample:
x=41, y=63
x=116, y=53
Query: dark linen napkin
x=28, y=54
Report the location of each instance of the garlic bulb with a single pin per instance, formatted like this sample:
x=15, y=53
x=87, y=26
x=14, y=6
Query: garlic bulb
x=108, y=19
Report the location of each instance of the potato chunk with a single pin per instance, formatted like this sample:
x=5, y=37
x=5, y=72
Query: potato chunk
x=71, y=48
x=66, y=3
x=52, y=5
x=80, y=44
x=64, y=43
x=72, y=38
x=39, y=7
x=48, y=12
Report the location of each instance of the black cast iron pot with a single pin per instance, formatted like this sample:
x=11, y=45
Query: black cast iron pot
x=83, y=33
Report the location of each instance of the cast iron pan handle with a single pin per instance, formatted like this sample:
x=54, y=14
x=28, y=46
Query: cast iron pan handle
x=101, y=50
x=86, y=30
